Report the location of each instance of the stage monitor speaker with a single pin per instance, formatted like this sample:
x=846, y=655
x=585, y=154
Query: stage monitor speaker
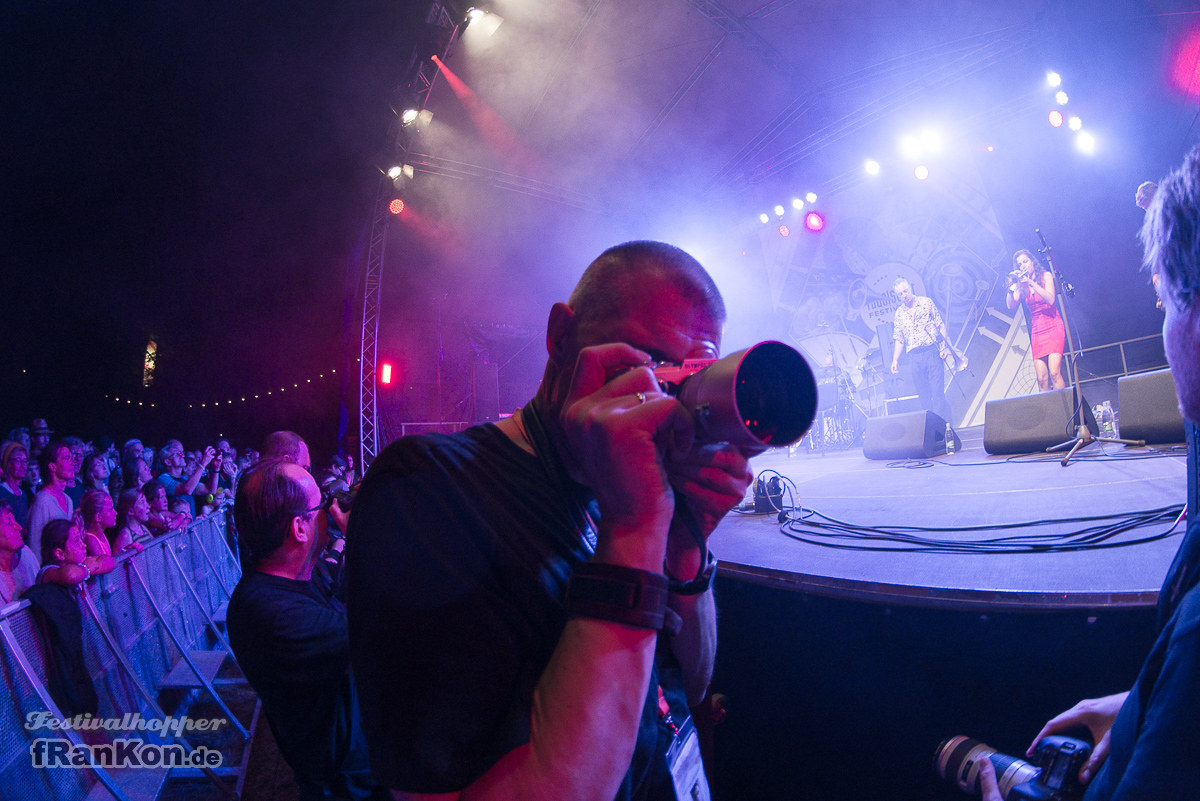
x=1149, y=407
x=912, y=435
x=1031, y=423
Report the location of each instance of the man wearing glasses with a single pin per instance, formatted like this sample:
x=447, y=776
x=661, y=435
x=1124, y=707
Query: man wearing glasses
x=288, y=631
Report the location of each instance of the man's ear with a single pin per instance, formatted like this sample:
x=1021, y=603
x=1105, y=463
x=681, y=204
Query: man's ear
x=558, y=332
x=298, y=532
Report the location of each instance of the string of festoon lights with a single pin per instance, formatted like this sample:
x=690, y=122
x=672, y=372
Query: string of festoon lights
x=236, y=399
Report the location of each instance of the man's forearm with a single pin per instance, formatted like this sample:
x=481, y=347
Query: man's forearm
x=586, y=710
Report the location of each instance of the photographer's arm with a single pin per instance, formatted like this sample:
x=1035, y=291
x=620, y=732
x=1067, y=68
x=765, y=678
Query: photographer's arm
x=588, y=702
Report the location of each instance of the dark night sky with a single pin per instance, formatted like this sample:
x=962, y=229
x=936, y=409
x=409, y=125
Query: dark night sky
x=200, y=172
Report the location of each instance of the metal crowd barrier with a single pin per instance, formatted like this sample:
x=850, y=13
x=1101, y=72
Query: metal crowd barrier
x=152, y=632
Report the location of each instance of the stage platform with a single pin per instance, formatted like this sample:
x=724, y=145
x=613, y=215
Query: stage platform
x=967, y=488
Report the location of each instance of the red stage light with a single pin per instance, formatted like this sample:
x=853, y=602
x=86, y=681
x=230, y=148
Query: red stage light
x=385, y=374
x=814, y=221
x=784, y=230
x=396, y=206
x=1056, y=118
x=1185, y=65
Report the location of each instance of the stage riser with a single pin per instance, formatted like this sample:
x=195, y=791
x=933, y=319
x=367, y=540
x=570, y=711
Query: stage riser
x=843, y=699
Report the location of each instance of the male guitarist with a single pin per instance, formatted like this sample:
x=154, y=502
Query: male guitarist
x=919, y=330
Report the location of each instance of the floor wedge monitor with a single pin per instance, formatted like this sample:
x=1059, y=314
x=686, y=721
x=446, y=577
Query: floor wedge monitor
x=1149, y=407
x=1031, y=423
x=912, y=435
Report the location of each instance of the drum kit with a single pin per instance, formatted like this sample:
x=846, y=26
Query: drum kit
x=845, y=399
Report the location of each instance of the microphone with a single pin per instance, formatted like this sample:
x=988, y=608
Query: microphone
x=1038, y=231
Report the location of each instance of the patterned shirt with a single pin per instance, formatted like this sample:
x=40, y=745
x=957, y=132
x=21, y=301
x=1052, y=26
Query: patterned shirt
x=918, y=326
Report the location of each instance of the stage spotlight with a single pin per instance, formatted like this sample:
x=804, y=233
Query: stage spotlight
x=1053, y=79
x=797, y=204
x=811, y=197
x=922, y=172
x=483, y=22
x=779, y=211
x=396, y=206
x=871, y=166
x=1075, y=124
x=385, y=373
x=814, y=221
x=395, y=171
x=764, y=217
x=1056, y=118
x=1085, y=142
x=784, y=230
x=1060, y=98
x=910, y=147
x=409, y=116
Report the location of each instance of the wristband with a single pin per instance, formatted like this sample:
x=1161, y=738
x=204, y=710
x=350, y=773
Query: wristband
x=618, y=594
x=702, y=583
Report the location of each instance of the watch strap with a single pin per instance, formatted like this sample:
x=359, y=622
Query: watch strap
x=618, y=594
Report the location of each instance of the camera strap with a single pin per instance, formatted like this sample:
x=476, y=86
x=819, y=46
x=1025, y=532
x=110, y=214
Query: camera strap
x=578, y=497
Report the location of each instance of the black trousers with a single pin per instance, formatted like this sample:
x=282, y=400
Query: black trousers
x=928, y=372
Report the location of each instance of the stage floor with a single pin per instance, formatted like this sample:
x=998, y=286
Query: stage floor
x=1004, y=495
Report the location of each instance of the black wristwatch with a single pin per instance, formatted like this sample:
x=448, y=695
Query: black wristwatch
x=702, y=583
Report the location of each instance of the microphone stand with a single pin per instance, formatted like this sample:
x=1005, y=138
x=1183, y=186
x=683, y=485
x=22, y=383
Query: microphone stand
x=1083, y=437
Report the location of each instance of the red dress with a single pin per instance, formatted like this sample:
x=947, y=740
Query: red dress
x=1046, y=334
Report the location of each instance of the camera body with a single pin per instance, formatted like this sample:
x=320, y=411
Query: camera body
x=760, y=397
x=1054, y=777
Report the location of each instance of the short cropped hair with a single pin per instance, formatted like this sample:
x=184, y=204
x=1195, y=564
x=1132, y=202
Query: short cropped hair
x=1171, y=232
x=48, y=455
x=151, y=488
x=267, y=500
x=621, y=271
x=282, y=445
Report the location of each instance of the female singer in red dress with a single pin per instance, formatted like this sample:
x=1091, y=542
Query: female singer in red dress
x=1035, y=285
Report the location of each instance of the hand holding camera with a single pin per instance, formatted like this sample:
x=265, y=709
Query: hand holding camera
x=617, y=430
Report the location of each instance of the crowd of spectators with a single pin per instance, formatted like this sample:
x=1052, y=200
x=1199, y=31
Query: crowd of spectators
x=113, y=497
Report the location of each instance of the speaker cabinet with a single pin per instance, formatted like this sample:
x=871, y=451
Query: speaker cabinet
x=1149, y=407
x=1031, y=423
x=912, y=435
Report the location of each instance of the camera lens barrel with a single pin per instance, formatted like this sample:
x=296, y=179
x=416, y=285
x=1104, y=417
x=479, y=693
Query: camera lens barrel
x=957, y=760
x=763, y=396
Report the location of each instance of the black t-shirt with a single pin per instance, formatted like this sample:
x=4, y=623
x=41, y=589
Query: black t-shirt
x=458, y=557
x=289, y=637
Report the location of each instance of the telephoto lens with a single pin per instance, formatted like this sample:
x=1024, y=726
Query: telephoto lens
x=957, y=760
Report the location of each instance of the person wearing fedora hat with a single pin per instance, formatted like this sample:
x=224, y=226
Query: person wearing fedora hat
x=39, y=436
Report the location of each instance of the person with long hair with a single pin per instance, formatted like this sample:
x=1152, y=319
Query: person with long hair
x=1034, y=284
x=94, y=473
x=65, y=558
x=99, y=517
x=132, y=514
